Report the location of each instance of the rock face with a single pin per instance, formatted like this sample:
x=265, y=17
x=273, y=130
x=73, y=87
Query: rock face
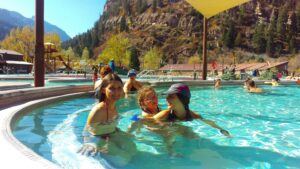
x=173, y=28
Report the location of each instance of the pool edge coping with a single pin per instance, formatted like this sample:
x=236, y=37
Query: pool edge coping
x=9, y=121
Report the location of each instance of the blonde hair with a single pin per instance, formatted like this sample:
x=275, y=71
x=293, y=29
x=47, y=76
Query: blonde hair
x=142, y=94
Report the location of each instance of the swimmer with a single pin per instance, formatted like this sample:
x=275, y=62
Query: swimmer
x=178, y=98
x=274, y=82
x=101, y=132
x=132, y=85
x=252, y=87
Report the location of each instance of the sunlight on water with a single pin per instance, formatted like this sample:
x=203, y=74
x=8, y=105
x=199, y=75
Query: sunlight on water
x=265, y=130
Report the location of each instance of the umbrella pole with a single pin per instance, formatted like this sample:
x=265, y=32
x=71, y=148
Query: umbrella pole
x=39, y=63
x=204, y=51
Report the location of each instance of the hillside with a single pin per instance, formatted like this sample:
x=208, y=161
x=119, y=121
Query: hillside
x=11, y=19
x=263, y=27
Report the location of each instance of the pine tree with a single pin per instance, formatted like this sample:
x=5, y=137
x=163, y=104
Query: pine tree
x=298, y=17
x=154, y=5
x=238, y=40
x=281, y=21
x=292, y=45
x=258, y=39
x=271, y=35
x=123, y=24
x=134, y=62
x=229, y=36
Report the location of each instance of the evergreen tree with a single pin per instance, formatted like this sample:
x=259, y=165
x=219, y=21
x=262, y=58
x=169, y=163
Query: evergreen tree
x=292, y=45
x=123, y=24
x=271, y=35
x=281, y=21
x=298, y=17
x=229, y=36
x=238, y=40
x=270, y=45
x=154, y=5
x=258, y=39
x=134, y=62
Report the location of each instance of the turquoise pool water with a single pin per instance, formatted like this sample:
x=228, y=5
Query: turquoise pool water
x=265, y=130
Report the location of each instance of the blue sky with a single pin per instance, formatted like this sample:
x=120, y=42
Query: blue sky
x=73, y=16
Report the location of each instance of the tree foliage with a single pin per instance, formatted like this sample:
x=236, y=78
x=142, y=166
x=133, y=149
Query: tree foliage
x=116, y=48
x=152, y=59
x=22, y=40
x=134, y=62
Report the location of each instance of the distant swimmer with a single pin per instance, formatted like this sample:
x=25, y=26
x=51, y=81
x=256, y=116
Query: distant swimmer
x=274, y=82
x=252, y=87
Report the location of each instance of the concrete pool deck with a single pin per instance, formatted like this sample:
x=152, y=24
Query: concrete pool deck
x=16, y=155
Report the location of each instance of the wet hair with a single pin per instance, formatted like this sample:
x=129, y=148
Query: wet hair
x=105, y=70
x=105, y=82
x=185, y=101
x=251, y=83
x=141, y=94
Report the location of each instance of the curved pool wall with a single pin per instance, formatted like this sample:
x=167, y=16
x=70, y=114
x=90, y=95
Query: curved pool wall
x=13, y=152
x=13, y=97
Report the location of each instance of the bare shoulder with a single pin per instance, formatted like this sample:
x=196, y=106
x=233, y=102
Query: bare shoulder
x=96, y=113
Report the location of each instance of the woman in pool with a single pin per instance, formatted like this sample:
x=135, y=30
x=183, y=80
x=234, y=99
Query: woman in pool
x=101, y=126
x=252, y=87
x=178, y=98
x=132, y=85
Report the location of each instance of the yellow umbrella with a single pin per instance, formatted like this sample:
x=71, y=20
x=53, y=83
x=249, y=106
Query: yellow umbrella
x=209, y=8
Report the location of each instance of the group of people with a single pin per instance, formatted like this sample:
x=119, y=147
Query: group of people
x=250, y=84
x=101, y=134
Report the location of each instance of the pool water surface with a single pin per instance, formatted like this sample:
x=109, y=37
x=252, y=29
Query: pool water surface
x=264, y=127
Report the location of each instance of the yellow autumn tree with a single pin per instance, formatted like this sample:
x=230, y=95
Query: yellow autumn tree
x=22, y=40
x=152, y=59
x=116, y=48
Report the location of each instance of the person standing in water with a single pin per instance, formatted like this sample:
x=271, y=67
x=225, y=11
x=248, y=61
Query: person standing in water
x=178, y=98
x=132, y=85
x=101, y=134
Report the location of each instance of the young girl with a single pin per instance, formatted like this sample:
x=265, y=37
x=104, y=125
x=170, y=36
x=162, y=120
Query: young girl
x=101, y=125
x=178, y=98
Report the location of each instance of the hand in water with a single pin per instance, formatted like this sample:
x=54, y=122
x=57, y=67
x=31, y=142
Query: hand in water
x=88, y=150
x=225, y=132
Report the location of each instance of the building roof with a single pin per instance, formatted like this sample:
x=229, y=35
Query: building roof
x=10, y=52
x=219, y=67
x=13, y=62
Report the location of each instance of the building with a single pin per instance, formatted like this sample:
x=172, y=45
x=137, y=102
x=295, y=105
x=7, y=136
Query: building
x=281, y=67
x=11, y=62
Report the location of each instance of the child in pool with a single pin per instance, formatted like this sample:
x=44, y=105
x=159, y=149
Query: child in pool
x=178, y=98
x=102, y=134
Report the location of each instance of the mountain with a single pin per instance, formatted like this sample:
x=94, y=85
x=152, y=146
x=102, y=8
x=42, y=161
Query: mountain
x=11, y=19
x=259, y=28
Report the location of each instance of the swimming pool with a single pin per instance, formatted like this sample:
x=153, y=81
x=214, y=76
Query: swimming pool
x=265, y=130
